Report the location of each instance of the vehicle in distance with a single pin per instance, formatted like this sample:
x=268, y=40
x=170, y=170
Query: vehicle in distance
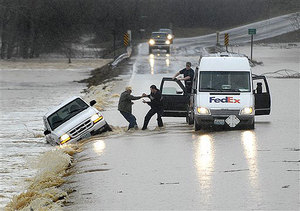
x=72, y=121
x=159, y=40
x=170, y=35
x=225, y=93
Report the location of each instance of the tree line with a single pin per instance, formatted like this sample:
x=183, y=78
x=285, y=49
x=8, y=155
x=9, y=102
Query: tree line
x=29, y=28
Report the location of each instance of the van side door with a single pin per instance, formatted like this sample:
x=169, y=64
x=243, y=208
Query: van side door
x=262, y=95
x=175, y=98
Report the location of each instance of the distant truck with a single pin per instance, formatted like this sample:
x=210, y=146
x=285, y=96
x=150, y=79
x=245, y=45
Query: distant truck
x=73, y=120
x=225, y=93
x=159, y=40
x=170, y=35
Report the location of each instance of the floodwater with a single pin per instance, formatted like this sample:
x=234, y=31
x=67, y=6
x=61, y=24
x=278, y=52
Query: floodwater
x=176, y=168
x=26, y=95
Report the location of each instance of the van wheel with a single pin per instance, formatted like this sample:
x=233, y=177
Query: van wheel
x=252, y=126
x=150, y=50
x=197, y=126
x=189, y=117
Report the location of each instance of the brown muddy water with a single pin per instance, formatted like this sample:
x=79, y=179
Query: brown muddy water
x=26, y=94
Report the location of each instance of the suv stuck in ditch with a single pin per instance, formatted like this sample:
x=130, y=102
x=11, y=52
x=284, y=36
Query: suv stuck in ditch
x=73, y=120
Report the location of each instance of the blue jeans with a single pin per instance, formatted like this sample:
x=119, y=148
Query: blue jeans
x=130, y=118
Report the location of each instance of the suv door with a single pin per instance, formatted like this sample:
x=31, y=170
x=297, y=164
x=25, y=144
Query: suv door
x=262, y=95
x=175, y=98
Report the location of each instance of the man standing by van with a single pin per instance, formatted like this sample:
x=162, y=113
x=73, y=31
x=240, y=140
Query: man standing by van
x=188, y=76
x=125, y=107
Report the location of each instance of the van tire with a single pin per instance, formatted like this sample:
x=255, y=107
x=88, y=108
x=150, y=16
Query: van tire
x=252, y=126
x=197, y=126
x=150, y=50
x=189, y=117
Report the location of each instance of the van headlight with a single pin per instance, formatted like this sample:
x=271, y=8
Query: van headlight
x=203, y=111
x=168, y=42
x=151, y=42
x=169, y=36
x=96, y=118
x=247, y=111
x=64, y=138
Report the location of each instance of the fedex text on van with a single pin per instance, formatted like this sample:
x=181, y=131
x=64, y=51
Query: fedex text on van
x=223, y=100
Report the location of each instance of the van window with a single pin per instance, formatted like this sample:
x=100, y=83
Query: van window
x=171, y=88
x=224, y=81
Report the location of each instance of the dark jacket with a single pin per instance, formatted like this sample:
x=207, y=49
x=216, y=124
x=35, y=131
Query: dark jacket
x=186, y=73
x=125, y=103
x=156, y=100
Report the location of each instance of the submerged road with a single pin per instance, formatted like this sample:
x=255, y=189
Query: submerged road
x=177, y=168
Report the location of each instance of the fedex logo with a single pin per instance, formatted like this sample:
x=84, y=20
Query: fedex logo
x=223, y=100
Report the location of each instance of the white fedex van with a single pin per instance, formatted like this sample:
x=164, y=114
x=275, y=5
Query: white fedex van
x=225, y=93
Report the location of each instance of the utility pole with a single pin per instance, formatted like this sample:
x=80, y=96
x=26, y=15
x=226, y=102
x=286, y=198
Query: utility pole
x=251, y=32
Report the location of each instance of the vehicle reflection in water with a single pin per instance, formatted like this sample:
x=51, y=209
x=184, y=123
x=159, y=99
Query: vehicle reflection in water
x=159, y=58
x=151, y=62
x=167, y=60
x=99, y=146
x=204, y=161
x=250, y=151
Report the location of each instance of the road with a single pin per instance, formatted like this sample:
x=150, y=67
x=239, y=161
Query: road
x=178, y=168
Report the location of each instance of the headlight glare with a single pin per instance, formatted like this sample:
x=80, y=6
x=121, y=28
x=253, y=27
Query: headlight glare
x=169, y=36
x=168, y=42
x=96, y=118
x=151, y=42
x=246, y=111
x=203, y=111
x=64, y=138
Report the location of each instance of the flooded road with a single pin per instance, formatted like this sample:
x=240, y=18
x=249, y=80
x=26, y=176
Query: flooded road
x=26, y=95
x=178, y=168
x=169, y=168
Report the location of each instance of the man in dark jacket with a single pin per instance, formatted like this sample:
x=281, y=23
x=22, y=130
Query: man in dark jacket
x=125, y=107
x=156, y=106
x=188, y=76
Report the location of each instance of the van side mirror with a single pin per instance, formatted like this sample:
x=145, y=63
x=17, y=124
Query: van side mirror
x=47, y=132
x=93, y=102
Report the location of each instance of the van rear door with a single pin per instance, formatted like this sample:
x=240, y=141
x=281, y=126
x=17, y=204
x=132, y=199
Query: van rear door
x=175, y=98
x=262, y=95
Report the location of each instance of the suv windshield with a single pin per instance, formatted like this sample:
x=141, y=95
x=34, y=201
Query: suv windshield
x=67, y=112
x=159, y=35
x=224, y=81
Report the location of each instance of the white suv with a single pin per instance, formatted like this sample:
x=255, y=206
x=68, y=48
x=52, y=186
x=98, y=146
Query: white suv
x=72, y=121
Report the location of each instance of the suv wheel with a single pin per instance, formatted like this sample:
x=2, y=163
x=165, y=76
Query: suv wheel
x=168, y=50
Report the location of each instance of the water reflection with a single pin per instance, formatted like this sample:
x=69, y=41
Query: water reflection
x=99, y=146
x=250, y=151
x=151, y=62
x=167, y=60
x=204, y=161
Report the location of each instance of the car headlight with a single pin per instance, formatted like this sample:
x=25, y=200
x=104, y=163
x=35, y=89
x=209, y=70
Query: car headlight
x=246, y=111
x=151, y=42
x=64, y=138
x=168, y=42
x=203, y=111
x=169, y=36
x=96, y=118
